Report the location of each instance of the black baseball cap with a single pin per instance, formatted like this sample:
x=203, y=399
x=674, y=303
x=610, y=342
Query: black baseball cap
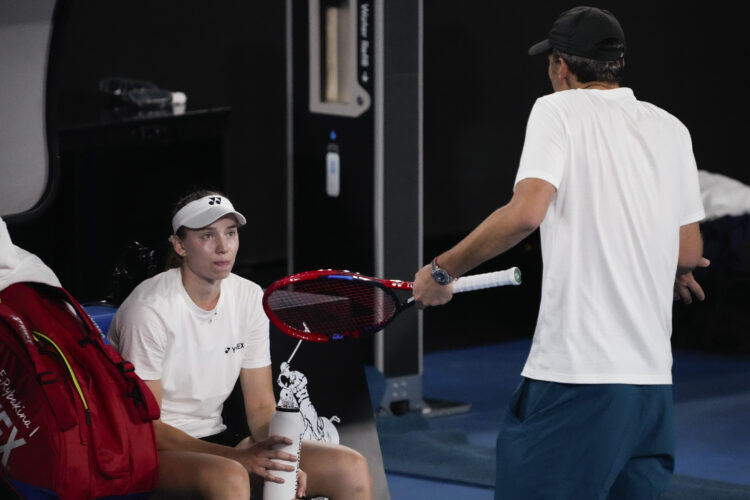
x=580, y=31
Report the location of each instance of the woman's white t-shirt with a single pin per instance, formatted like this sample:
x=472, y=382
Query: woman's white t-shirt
x=196, y=354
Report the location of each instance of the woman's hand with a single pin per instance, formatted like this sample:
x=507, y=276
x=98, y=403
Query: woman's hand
x=260, y=458
x=301, y=483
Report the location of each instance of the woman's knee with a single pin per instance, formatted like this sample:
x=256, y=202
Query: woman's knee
x=336, y=471
x=356, y=471
x=225, y=479
x=184, y=475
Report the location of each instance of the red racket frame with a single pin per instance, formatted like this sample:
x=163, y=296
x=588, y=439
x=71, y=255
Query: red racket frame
x=385, y=284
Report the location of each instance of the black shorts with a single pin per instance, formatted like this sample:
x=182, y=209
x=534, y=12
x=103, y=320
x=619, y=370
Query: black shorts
x=586, y=441
x=227, y=437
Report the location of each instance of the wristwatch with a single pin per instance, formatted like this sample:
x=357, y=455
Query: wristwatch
x=441, y=276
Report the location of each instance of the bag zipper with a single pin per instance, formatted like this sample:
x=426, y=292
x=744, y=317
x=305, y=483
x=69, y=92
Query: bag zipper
x=70, y=370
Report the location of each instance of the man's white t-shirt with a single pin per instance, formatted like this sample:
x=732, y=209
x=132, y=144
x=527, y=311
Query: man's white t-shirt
x=196, y=354
x=626, y=181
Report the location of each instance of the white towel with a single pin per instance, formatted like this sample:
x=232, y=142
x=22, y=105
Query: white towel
x=723, y=195
x=17, y=265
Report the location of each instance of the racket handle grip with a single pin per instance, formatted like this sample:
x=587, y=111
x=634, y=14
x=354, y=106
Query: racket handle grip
x=510, y=276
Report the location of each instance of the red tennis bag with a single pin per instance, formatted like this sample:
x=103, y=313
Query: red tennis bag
x=75, y=419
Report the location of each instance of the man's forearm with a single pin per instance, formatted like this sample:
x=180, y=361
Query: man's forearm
x=691, y=248
x=502, y=230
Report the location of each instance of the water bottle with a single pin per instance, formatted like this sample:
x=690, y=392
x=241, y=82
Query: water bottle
x=141, y=93
x=286, y=421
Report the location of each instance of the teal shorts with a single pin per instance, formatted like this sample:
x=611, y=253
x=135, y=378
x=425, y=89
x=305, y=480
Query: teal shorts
x=585, y=442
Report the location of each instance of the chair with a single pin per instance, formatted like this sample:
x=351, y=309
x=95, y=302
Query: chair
x=27, y=158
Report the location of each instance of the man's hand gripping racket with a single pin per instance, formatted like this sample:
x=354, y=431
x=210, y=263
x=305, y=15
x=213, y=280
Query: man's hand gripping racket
x=329, y=304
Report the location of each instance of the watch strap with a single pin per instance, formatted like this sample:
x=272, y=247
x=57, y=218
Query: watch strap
x=436, y=268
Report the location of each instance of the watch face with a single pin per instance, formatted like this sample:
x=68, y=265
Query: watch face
x=441, y=276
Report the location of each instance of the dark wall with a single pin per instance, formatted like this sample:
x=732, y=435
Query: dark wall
x=220, y=53
x=225, y=55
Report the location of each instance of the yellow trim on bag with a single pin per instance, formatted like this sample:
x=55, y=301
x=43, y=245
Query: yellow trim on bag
x=70, y=368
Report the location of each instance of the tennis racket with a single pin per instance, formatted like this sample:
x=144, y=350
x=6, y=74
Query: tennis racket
x=330, y=305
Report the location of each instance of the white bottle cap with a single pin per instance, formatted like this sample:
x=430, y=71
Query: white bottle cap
x=179, y=98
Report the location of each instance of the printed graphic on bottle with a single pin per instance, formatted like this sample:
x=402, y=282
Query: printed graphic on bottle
x=317, y=428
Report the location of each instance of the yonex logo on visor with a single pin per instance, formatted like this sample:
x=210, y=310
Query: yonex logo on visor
x=204, y=211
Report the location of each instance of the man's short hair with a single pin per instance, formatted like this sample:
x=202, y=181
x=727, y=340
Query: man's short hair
x=592, y=70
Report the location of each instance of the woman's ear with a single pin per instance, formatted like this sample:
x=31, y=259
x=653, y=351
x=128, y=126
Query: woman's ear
x=177, y=245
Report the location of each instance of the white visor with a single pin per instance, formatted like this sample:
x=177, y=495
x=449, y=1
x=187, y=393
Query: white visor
x=207, y=210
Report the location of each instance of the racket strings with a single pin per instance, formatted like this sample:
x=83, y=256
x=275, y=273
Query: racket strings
x=332, y=306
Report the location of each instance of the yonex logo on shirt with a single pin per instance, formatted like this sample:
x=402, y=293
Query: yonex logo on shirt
x=240, y=345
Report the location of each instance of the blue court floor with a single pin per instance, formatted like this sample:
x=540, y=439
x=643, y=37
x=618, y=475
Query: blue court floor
x=712, y=409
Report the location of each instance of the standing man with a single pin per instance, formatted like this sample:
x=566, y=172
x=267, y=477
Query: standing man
x=613, y=183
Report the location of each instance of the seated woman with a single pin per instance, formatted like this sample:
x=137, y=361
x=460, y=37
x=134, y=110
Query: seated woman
x=192, y=332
